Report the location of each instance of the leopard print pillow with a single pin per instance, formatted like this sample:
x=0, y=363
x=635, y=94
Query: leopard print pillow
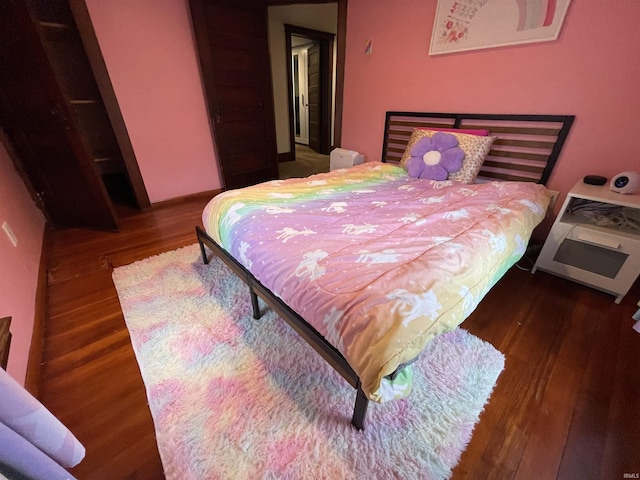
x=475, y=150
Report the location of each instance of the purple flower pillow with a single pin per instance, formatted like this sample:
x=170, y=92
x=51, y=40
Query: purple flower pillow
x=435, y=157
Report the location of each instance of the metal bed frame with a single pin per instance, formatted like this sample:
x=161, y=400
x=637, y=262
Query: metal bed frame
x=306, y=331
x=529, y=143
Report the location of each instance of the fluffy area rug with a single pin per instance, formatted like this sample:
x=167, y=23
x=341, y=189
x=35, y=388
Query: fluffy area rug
x=234, y=397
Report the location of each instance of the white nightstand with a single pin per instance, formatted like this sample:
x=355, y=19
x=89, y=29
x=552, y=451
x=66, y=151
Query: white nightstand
x=595, y=251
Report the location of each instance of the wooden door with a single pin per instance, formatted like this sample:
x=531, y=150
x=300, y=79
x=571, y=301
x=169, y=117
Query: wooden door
x=42, y=129
x=315, y=112
x=232, y=41
x=319, y=71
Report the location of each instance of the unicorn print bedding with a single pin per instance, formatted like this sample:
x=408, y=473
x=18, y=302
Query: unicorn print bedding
x=377, y=262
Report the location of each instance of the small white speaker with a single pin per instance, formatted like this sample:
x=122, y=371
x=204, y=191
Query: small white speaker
x=625, y=182
x=342, y=158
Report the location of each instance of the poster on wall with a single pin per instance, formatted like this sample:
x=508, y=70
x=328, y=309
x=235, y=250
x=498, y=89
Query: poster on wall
x=461, y=25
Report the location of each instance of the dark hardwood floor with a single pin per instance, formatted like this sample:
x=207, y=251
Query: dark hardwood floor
x=566, y=406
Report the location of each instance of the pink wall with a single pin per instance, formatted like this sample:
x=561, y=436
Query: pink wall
x=150, y=54
x=19, y=272
x=591, y=71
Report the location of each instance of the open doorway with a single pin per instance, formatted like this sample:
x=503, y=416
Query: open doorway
x=295, y=23
x=308, y=160
x=310, y=75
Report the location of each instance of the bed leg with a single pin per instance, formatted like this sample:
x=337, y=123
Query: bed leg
x=205, y=260
x=254, y=304
x=360, y=409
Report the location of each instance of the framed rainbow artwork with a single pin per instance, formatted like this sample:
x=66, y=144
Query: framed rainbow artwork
x=462, y=25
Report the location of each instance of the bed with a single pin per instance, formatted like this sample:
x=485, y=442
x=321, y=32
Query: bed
x=368, y=264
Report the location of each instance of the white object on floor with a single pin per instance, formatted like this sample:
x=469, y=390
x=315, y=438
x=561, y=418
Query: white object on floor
x=343, y=158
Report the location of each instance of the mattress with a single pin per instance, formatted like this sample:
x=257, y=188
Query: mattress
x=377, y=262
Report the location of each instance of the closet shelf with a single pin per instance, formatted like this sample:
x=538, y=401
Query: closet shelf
x=55, y=25
x=83, y=101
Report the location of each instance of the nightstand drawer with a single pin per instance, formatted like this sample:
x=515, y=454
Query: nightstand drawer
x=604, y=260
x=603, y=257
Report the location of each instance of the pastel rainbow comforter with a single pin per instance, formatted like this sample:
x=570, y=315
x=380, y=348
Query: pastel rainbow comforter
x=377, y=262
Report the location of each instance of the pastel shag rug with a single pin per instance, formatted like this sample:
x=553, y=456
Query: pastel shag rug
x=234, y=397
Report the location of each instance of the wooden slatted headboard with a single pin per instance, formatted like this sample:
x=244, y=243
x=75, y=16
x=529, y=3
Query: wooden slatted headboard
x=526, y=149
